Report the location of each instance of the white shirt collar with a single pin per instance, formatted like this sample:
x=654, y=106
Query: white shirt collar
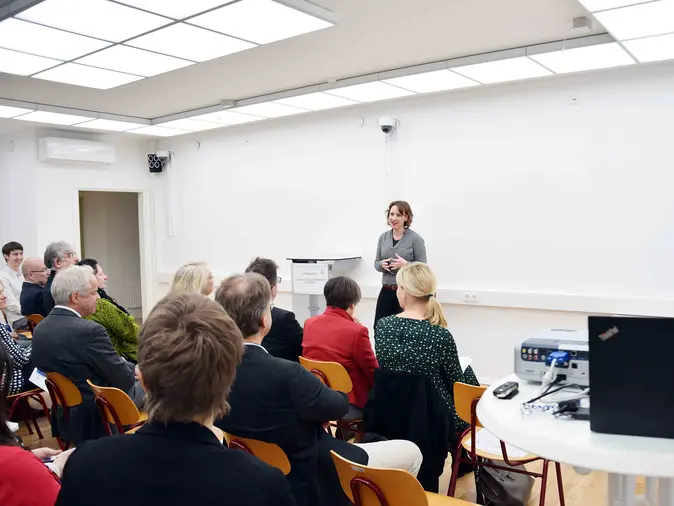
x=12, y=272
x=255, y=344
x=69, y=309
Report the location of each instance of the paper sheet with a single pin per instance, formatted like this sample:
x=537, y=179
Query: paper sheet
x=487, y=442
x=39, y=379
x=465, y=362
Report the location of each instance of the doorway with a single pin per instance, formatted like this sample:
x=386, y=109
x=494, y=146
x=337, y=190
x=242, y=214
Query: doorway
x=109, y=233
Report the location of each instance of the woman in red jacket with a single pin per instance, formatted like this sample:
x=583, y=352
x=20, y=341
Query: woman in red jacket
x=336, y=336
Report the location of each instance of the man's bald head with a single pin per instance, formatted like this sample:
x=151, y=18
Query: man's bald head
x=34, y=271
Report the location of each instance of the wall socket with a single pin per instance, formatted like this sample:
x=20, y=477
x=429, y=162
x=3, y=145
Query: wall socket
x=470, y=298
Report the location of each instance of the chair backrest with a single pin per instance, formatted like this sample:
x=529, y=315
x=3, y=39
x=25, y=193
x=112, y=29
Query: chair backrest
x=115, y=406
x=62, y=391
x=33, y=320
x=332, y=374
x=266, y=452
x=465, y=400
x=369, y=486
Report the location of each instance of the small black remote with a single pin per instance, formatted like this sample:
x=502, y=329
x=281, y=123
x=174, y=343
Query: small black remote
x=507, y=390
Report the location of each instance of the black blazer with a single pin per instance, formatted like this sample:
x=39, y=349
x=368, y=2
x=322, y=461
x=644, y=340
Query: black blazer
x=285, y=337
x=48, y=300
x=280, y=402
x=178, y=464
x=80, y=349
x=32, y=299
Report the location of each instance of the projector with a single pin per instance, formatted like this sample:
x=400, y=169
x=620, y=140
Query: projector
x=534, y=356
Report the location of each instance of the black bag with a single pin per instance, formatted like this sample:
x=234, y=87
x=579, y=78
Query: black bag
x=496, y=487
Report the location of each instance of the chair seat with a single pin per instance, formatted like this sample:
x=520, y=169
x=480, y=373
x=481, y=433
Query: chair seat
x=142, y=417
x=465, y=442
x=443, y=500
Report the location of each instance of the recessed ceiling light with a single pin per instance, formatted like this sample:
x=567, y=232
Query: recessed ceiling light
x=259, y=21
x=7, y=111
x=109, y=124
x=190, y=124
x=44, y=41
x=158, y=131
x=269, y=110
x=602, y=5
x=55, y=118
x=370, y=92
x=643, y=20
x=512, y=69
x=176, y=9
x=134, y=61
x=22, y=64
x=316, y=101
x=429, y=82
x=190, y=42
x=91, y=77
x=97, y=18
x=652, y=48
x=585, y=58
x=227, y=118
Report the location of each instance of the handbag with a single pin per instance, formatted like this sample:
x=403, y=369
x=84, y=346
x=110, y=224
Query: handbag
x=497, y=487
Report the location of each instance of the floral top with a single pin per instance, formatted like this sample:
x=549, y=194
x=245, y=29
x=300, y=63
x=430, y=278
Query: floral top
x=20, y=358
x=417, y=347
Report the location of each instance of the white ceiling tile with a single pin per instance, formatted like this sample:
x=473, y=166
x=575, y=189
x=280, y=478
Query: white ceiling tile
x=579, y=59
x=268, y=110
x=108, y=124
x=134, y=61
x=316, y=101
x=91, y=77
x=53, y=118
x=227, y=118
x=190, y=124
x=643, y=20
x=157, y=131
x=512, y=69
x=176, y=9
x=602, y=5
x=7, y=111
x=652, y=48
x=22, y=64
x=370, y=92
x=430, y=82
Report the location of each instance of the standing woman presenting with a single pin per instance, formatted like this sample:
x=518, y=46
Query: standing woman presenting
x=396, y=248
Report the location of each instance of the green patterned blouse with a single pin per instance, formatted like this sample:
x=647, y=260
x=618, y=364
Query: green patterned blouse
x=417, y=347
x=121, y=327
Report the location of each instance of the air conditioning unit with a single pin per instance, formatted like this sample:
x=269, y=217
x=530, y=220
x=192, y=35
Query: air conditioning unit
x=58, y=149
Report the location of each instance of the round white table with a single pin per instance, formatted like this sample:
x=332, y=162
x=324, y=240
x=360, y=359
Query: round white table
x=572, y=442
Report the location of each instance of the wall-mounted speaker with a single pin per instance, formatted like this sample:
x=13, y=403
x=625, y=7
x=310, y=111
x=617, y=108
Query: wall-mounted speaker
x=155, y=163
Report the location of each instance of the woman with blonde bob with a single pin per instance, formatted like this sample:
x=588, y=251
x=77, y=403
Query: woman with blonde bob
x=194, y=277
x=417, y=340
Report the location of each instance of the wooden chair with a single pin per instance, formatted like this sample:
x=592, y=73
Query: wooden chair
x=64, y=394
x=466, y=398
x=33, y=320
x=266, y=452
x=370, y=486
x=117, y=408
x=334, y=376
x=21, y=411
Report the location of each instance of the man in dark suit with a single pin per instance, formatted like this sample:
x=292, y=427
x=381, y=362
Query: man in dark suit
x=284, y=339
x=57, y=256
x=79, y=349
x=35, y=276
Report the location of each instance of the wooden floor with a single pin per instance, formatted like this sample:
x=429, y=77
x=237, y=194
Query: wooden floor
x=589, y=490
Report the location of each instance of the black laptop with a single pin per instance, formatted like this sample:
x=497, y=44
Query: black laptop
x=632, y=375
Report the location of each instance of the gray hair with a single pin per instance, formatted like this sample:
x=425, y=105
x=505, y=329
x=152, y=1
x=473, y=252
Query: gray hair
x=245, y=297
x=76, y=278
x=56, y=251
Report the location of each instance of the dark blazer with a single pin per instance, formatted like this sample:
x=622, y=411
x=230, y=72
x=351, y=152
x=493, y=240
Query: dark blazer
x=48, y=300
x=32, y=299
x=178, y=464
x=80, y=349
x=285, y=337
x=280, y=402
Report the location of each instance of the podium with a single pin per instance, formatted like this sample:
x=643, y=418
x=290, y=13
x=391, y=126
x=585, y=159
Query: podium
x=309, y=275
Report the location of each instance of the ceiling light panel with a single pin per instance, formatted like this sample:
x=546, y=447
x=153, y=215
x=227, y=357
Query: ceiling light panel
x=53, y=118
x=191, y=124
x=44, y=41
x=585, y=58
x=652, y=48
x=643, y=20
x=500, y=71
x=22, y=64
x=430, y=82
x=190, y=42
x=110, y=125
x=269, y=110
x=370, y=92
x=7, y=111
x=158, y=131
x=96, y=18
x=316, y=101
x=134, y=61
x=602, y=5
x=260, y=21
x=227, y=118
x=91, y=77
x=176, y=9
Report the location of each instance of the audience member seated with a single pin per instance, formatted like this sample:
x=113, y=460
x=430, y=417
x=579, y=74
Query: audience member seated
x=336, y=336
x=194, y=277
x=20, y=356
x=285, y=337
x=24, y=479
x=57, y=256
x=188, y=353
x=35, y=276
x=417, y=340
x=119, y=324
x=11, y=278
x=278, y=401
x=79, y=349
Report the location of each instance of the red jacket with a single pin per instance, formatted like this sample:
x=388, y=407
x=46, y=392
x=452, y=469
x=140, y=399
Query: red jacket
x=335, y=337
x=24, y=480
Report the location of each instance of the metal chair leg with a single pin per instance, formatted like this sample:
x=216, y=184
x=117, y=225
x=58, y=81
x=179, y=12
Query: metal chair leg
x=544, y=483
x=560, y=484
x=456, y=462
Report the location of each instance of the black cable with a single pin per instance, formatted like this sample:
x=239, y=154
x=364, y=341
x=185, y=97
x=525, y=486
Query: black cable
x=550, y=392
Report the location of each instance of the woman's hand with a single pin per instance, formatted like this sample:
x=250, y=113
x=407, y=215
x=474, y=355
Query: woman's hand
x=397, y=262
x=386, y=264
x=45, y=453
x=60, y=462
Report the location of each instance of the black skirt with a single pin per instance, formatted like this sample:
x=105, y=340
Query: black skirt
x=387, y=305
